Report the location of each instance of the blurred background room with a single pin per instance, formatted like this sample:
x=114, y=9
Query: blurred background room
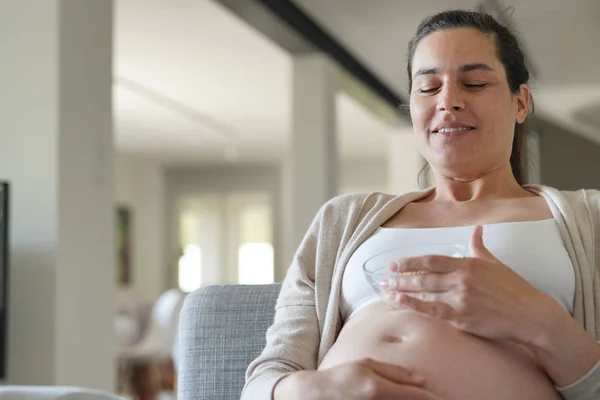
x=154, y=147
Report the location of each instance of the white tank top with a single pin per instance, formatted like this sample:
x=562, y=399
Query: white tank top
x=534, y=250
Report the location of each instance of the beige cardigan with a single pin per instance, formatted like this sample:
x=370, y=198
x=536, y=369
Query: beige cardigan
x=307, y=319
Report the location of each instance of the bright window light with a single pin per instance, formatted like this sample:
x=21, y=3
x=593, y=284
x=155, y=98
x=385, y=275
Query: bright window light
x=255, y=261
x=190, y=268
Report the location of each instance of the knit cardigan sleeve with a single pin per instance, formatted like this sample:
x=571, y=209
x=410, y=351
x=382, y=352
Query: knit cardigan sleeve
x=294, y=337
x=588, y=386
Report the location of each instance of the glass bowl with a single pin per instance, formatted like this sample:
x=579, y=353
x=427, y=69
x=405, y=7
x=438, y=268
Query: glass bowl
x=377, y=267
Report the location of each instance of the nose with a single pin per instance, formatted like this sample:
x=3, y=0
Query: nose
x=450, y=99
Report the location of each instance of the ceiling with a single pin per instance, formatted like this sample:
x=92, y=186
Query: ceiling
x=560, y=38
x=195, y=84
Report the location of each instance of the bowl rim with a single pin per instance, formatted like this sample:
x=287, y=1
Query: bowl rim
x=449, y=244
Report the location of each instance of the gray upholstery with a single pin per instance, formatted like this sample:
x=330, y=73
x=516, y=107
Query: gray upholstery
x=221, y=330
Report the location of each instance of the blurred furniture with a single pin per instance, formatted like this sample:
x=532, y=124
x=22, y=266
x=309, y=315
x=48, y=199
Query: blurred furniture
x=53, y=393
x=160, y=336
x=222, y=329
x=131, y=321
x=153, y=352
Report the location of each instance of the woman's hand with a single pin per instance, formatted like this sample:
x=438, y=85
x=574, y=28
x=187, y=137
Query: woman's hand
x=479, y=294
x=359, y=380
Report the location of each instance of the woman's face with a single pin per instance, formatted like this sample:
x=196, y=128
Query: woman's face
x=462, y=109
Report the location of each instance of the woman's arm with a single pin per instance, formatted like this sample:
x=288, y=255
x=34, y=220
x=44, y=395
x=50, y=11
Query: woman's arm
x=292, y=341
x=570, y=354
x=566, y=351
x=296, y=386
x=365, y=379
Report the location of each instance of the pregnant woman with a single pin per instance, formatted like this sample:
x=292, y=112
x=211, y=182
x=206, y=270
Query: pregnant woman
x=518, y=318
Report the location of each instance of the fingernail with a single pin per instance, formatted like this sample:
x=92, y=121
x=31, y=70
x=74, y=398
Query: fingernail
x=384, y=284
x=417, y=377
x=394, y=266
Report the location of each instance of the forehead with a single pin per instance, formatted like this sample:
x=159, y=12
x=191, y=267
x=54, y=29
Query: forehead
x=451, y=48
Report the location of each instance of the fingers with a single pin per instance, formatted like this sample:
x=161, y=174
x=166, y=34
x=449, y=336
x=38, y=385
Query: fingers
x=393, y=373
x=395, y=382
x=433, y=263
x=418, y=283
x=476, y=246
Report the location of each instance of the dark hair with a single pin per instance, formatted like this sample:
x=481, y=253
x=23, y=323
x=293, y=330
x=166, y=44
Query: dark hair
x=508, y=51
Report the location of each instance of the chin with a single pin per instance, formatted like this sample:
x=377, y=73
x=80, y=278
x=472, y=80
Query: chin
x=461, y=168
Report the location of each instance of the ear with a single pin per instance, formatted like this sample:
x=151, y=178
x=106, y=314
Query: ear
x=523, y=98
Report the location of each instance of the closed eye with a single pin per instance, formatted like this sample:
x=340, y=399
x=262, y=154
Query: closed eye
x=475, y=85
x=431, y=90
x=467, y=85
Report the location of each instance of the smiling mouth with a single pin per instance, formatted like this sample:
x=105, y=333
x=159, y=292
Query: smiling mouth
x=454, y=130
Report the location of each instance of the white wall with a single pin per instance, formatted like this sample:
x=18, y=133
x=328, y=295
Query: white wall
x=140, y=185
x=56, y=135
x=363, y=175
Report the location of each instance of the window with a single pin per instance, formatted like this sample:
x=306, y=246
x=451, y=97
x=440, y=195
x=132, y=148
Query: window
x=190, y=268
x=255, y=263
x=226, y=238
x=255, y=249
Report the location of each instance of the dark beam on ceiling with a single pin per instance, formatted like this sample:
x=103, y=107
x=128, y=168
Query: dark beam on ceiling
x=263, y=20
x=321, y=39
x=296, y=32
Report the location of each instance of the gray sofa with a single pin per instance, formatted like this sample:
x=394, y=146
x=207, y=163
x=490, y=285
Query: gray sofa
x=221, y=330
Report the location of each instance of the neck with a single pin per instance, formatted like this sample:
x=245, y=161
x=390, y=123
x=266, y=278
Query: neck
x=494, y=184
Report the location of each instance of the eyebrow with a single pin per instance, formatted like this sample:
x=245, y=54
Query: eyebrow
x=463, y=68
x=475, y=67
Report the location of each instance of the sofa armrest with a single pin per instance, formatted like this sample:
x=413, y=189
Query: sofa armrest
x=221, y=330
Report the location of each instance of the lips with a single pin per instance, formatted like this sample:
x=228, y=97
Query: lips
x=454, y=130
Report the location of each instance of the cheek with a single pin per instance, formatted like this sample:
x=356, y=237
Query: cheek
x=421, y=114
x=498, y=120
x=420, y=118
x=496, y=111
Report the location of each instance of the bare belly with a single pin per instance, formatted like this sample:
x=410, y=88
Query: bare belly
x=456, y=365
